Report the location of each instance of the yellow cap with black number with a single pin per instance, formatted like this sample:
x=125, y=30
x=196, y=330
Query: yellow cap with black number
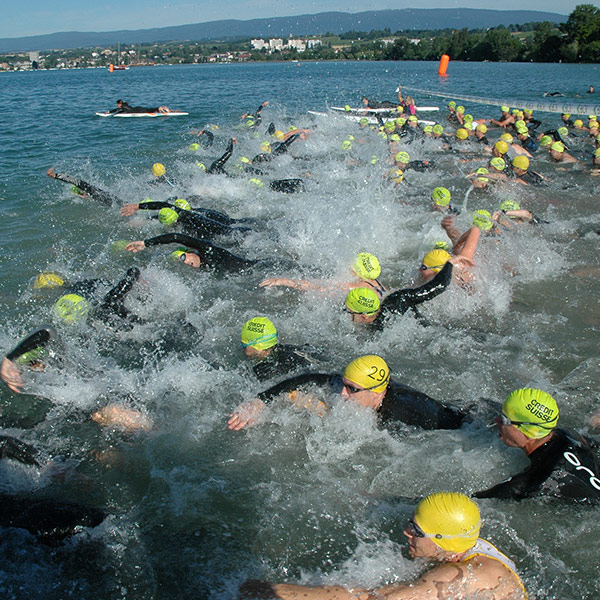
x=367, y=266
x=371, y=372
x=363, y=301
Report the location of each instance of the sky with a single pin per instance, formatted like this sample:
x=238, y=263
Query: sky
x=36, y=17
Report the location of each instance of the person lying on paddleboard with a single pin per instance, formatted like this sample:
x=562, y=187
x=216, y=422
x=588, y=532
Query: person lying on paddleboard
x=125, y=107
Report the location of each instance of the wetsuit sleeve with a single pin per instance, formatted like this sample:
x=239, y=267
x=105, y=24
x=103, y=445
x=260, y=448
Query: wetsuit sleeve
x=412, y=407
x=94, y=192
x=516, y=487
x=38, y=338
x=289, y=385
x=210, y=137
x=217, y=165
x=113, y=302
x=155, y=205
x=282, y=147
x=15, y=449
x=399, y=302
x=177, y=238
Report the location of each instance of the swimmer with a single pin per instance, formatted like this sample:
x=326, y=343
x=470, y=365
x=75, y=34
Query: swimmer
x=440, y=201
x=254, y=120
x=505, y=119
x=558, y=153
x=260, y=342
x=365, y=381
x=562, y=463
x=510, y=212
x=198, y=253
x=366, y=269
x=480, y=136
x=444, y=530
x=523, y=174
x=402, y=161
x=192, y=222
x=83, y=189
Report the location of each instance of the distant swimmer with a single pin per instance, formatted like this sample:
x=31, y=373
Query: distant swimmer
x=260, y=342
x=444, y=531
x=365, y=381
x=83, y=189
x=590, y=90
x=370, y=103
x=125, y=107
x=562, y=463
x=552, y=94
x=253, y=120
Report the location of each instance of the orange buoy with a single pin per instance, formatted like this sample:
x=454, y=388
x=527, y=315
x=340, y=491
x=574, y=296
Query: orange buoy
x=443, y=64
x=111, y=68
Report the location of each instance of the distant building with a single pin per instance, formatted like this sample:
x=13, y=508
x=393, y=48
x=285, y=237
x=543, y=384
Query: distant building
x=258, y=44
x=299, y=45
x=313, y=43
x=276, y=44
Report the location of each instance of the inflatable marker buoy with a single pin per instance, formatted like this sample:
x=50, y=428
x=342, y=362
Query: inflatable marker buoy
x=443, y=64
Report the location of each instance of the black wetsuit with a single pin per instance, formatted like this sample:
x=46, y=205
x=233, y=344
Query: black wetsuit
x=529, y=144
x=280, y=148
x=398, y=302
x=91, y=190
x=482, y=140
x=195, y=223
x=212, y=257
x=217, y=167
x=419, y=165
x=282, y=360
x=563, y=467
x=401, y=403
x=127, y=108
x=287, y=186
x=553, y=133
x=382, y=104
x=532, y=178
x=48, y=518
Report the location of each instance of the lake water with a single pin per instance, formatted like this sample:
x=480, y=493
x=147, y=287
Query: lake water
x=195, y=509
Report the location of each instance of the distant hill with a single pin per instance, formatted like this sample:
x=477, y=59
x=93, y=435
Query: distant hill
x=335, y=22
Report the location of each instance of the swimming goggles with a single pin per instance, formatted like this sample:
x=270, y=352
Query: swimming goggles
x=506, y=421
x=354, y=390
x=425, y=267
x=438, y=536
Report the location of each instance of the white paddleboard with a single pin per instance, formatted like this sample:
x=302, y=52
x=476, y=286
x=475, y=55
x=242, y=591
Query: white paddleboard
x=154, y=114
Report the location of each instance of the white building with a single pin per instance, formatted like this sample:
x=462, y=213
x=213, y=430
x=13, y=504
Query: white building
x=257, y=44
x=276, y=44
x=299, y=45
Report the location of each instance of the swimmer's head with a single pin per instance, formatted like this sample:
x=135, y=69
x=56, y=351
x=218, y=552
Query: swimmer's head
x=505, y=109
x=557, y=147
x=545, y=141
x=578, y=123
x=533, y=412
x=367, y=266
x=441, y=245
x=265, y=147
x=460, y=109
x=48, y=280
x=483, y=220
x=158, y=169
x=395, y=137
x=501, y=147
x=259, y=333
x=280, y=135
x=468, y=118
x=363, y=122
x=362, y=301
x=506, y=137
x=521, y=162
x=370, y=372
x=33, y=356
x=413, y=119
x=402, y=158
x=438, y=129
x=481, y=128
x=77, y=191
x=461, y=134
x=71, y=308
x=434, y=261
x=563, y=132
x=194, y=147
x=451, y=521
x=396, y=175
x=441, y=196
x=509, y=205
x=498, y=163
x=182, y=203
x=346, y=145
x=167, y=216
x=256, y=181
x=451, y=105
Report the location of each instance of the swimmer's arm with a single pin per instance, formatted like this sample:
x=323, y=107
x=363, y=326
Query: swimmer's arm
x=520, y=214
x=179, y=238
x=10, y=374
x=451, y=231
x=246, y=414
x=129, y=209
x=38, y=338
x=15, y=449
x=298, y=284
x=466, y=245
x=82, y=185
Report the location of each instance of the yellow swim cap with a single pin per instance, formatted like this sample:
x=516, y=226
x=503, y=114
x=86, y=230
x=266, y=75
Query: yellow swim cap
x=194, y=147
x=482, y=128
x=509, y=205
x=545, y=141
x=71, y=308
x=441, y=196
x=452, y=521
x=521, y=162
x=402, y=157
x=177, y=254
x=505, y=109
x=506, y=137
x=578, y=123
x=498, y=163
x=537, y=411
x=260, y=333
x=367, y=266
x=167, y=216
x=436, y=259
x=396, y=175
x=371, y=372
x=558, y=147
x=483, y=220
x=437, y=128
x=280, y=135
x=501, y=146
x=182, y=203
x=346, y=145
x=48, y=280
x=462, y=134
x=158, y=169
x=265, y=147
x=362, y=300
x=460, y=109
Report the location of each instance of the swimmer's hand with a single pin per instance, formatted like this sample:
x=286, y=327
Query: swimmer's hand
x=277, y=282
x=137, y=246
x=118, y=416
x=595, y=421
x=246, y=414
x=51, y=173
x=129, y=209
x=9, y=373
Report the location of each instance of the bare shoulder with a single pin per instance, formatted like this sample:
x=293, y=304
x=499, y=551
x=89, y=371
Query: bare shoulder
x=484, y=572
